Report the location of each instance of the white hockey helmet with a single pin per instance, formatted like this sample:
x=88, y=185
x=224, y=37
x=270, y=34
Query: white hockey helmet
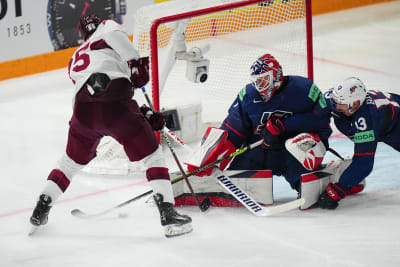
x=349, y=91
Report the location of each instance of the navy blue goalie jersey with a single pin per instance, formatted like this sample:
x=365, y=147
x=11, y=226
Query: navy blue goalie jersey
x=298, y=103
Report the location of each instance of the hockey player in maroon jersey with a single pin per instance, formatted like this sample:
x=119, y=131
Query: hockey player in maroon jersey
x=104, y=69
x=366, y=117
x=279, y=109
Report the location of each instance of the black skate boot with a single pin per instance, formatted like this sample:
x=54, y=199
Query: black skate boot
x=41, y=212
x=174, y=223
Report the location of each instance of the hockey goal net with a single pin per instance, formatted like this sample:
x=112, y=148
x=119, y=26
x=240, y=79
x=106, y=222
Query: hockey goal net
x=234, y=34
x=229, y=36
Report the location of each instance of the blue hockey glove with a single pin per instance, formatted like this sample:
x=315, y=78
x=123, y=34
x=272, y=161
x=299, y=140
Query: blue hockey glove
x=271, y=132
x=331, y=196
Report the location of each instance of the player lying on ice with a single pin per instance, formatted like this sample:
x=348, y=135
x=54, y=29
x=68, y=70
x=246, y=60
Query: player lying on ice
x=285, y=112
x=104, y=69
x=366, y=117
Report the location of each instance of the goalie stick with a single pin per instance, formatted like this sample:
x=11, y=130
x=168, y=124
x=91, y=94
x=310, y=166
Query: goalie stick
x=205, y=205
x=249, y=202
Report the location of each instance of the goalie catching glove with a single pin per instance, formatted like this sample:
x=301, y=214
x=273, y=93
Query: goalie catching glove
x=308, y=149
x=156, y=119
x=139, y=71
x=214, y=145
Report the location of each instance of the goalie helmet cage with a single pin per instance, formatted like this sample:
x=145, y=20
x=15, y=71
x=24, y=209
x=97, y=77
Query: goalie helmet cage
x=236, y=32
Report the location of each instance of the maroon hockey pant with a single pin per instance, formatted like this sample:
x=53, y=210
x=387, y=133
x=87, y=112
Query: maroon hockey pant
x=111, y=113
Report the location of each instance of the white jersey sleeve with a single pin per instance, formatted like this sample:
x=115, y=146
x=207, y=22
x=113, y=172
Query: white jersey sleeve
x=106, y=51
x=120, y=42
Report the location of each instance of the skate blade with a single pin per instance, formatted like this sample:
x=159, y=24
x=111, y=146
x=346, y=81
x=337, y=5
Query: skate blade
x=33, y=230
x=174, y=230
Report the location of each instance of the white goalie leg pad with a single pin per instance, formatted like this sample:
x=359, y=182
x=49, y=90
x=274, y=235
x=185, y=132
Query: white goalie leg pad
x=109, y=149
x=308, y=149
x=314, y=183
x=212, y=141
x=343, y=166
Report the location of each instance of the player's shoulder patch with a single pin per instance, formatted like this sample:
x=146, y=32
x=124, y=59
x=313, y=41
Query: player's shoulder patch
x=242, y=93
x=315, y=95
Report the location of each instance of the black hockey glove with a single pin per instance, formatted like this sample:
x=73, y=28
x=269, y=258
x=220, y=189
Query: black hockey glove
x=330, y=197
x=156, y=119
x=271, y=132
x=139, y=71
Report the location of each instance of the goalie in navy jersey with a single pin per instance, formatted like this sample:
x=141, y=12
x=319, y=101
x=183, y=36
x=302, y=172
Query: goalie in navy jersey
x=284, y=111
x=366, y=117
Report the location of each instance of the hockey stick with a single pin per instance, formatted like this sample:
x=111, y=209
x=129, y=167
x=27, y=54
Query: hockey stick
x=81, y=214
x=249, y=202
x=334, y=152
x=205, y=205
x=169, y=132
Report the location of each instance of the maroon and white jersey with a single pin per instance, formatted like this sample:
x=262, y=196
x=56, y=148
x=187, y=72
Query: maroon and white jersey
x=106, y=51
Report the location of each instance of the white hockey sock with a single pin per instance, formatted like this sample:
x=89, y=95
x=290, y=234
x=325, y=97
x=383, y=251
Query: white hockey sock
x=163, y=187
x=51, y=189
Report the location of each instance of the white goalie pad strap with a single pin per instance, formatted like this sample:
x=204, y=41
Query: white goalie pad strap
x=314, y=183
x=257, y=184
x=213, y=141
x=308, y=149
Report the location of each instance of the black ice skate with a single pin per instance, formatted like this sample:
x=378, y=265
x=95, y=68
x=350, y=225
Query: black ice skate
x=40, y=213
x=174, y=223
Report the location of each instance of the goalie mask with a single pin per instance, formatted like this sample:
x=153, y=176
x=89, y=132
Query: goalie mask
x=88, y=24
x=266, y=76
x=349, y=91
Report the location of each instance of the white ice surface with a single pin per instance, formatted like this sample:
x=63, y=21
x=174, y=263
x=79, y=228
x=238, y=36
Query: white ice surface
x=363, y=231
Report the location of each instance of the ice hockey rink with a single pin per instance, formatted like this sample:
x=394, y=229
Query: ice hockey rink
x=363, y=231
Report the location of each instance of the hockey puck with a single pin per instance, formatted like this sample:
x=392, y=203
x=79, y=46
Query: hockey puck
x=205, y=205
